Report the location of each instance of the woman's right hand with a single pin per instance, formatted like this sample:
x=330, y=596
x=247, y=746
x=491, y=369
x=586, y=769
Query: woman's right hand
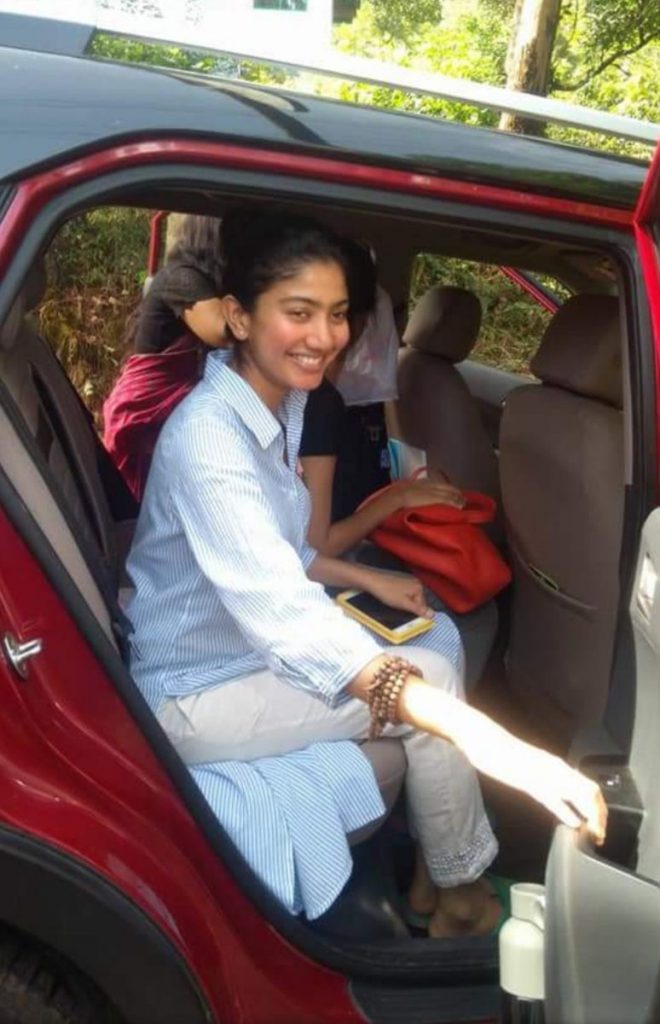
x=426, y=492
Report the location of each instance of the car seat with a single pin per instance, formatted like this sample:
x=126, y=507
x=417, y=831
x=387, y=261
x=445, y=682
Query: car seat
x=435, y=411
x=562, y=477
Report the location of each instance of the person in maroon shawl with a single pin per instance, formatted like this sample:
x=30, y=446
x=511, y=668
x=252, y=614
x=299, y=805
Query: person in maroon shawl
x=180, y=316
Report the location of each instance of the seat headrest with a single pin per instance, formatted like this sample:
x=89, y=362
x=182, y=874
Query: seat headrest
x=581, y=349
x=30, y=295
x=445, y=322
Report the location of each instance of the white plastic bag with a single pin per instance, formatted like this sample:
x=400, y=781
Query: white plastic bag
x=369, y=371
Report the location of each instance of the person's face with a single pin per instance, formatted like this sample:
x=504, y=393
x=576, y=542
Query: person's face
x=297, y=327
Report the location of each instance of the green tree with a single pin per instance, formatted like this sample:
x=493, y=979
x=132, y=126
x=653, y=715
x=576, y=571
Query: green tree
x=529, y=56
x=606, y=54
x=152, y=54
x=450, y=46
x=600, y=34
x=127, y=51
x=403, y=20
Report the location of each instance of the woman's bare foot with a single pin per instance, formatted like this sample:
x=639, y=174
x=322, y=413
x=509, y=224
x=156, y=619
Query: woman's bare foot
x=423, y=895
x=472, y=909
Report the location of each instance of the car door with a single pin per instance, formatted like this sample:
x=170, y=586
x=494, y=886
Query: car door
x=602, y=918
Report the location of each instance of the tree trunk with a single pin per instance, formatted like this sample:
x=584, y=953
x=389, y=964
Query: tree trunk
x=172, y=232
x=528, y=60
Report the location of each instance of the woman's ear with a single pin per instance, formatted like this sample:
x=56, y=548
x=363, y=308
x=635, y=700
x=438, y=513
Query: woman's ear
x=237, y=319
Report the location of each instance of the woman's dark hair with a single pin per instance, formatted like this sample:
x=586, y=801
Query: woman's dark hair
x=261, y=248
x=199, y=244
x=361, y=278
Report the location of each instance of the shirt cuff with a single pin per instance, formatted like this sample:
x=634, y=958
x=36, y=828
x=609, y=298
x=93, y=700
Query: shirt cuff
x=307, y=555
x=335, y=692
x=341, y=658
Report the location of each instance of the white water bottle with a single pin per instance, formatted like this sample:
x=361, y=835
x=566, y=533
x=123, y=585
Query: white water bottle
x=522, y=956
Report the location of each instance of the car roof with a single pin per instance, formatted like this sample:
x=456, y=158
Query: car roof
x=57, y=106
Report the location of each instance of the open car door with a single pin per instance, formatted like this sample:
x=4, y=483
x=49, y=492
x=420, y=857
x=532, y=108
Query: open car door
x=602, y=951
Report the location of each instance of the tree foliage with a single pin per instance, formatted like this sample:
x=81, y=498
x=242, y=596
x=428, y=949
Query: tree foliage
x=598, y=34
x=448, y=46
x=156, y=55
x=403, y=20
x=606, y=56
x=127, y=51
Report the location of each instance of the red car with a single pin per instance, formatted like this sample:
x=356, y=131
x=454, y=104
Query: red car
x=121, y=898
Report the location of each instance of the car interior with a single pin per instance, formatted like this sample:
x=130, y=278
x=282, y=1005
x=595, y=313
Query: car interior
x=553, y=447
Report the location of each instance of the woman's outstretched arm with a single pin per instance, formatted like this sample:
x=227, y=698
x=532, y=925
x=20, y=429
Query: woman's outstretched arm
x=572, y=797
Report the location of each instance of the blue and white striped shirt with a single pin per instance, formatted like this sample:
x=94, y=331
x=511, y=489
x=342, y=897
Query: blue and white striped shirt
x=220, y=553
x=218, y=563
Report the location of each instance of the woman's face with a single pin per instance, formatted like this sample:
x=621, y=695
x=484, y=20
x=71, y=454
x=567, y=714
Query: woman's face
x=297, y=327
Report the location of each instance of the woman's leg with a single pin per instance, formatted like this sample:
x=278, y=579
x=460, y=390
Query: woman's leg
x=256, y=716
x=445, y=806
x=260, y=716
x=447, y=816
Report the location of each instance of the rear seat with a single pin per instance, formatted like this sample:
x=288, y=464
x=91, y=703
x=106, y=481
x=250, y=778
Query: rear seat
x=73, y=509
x=436, y=414
x=435, y=411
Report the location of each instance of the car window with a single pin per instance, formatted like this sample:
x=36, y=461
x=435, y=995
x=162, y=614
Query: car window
x=513, y=321
x=96, y=266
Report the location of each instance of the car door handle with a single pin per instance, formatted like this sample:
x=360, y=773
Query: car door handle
x=18, y=652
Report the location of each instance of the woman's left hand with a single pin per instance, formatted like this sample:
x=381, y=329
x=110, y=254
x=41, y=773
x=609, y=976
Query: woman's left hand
x=400, y=591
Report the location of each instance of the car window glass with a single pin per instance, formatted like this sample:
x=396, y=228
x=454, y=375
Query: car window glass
x=513, y=321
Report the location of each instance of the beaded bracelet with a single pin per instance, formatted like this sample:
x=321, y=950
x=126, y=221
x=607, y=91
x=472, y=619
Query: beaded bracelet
x=384, y=692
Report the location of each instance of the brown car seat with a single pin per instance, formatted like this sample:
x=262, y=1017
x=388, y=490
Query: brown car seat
x=562, y=478
x=435, y=411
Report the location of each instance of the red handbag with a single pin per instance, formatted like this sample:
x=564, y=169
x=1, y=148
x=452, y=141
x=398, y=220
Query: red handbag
x=447, y=550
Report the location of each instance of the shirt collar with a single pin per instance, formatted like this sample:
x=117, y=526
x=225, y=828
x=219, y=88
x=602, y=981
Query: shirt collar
x=246, y=403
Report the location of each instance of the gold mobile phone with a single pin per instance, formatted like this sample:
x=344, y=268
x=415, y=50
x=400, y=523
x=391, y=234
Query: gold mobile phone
x=392, y=624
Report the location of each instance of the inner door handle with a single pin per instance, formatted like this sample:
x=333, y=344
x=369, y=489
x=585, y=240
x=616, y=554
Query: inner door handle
x=18, y=652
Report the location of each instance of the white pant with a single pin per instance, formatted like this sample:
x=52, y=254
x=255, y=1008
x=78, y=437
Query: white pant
x=260, y=716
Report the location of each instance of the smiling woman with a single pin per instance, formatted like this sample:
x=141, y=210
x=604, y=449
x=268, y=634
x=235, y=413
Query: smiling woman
x=263, y=685
x=286, y=334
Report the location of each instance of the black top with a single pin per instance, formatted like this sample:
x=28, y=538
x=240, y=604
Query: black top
x=356, y=436
x=174, y=288
x=324, y=423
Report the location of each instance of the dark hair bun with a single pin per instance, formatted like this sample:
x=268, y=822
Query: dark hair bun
x=263, y=247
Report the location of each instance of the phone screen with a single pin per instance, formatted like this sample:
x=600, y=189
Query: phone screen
x=391, y=618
